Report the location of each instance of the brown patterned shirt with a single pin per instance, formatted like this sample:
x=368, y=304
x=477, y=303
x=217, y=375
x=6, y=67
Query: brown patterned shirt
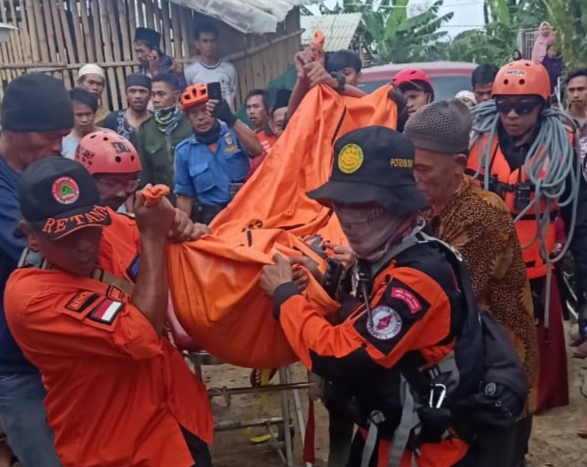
x=478, y=224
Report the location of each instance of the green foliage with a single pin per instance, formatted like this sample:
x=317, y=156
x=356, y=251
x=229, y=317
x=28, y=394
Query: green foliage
x=569, y=19
x=389, y=31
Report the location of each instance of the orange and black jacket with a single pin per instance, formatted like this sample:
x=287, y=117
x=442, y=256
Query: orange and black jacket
x=415, y=304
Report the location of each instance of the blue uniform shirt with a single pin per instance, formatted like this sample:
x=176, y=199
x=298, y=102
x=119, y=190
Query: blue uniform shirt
x=11, y=358
x=206, y=175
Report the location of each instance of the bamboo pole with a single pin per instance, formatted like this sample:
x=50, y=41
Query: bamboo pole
x=109, y=40
x=60, y=52
x=30, y=14
x=150, y=15
x=127, y=48
x=96, y=29
x=72, y=57
x=79, y=50
x=132, y=19
x=166, y=27
x=50, y=28
x=185, y=35
x=176, y=30
x=25, y=32
x=18, y=33
x=8, y=48
x=115, y=55
x=87, y=31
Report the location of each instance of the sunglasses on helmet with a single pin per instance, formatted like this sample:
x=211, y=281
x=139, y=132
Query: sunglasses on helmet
x=521, y=107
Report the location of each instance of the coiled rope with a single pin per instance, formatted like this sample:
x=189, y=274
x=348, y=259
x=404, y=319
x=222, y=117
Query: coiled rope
x=551, y=166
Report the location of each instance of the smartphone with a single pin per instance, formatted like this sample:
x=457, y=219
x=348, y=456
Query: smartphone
x=214, y=91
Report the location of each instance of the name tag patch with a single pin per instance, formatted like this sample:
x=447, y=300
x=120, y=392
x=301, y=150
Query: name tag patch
x=106, y=311
x=81, y=301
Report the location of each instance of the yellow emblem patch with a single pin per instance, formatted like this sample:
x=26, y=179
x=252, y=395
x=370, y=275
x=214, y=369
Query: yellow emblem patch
x=350, y=158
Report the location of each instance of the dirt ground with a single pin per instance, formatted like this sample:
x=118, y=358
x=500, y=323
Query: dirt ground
x=554, y=442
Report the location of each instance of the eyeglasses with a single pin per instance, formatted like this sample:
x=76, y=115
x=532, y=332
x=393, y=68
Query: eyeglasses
x=128, y=185
x=521, y=107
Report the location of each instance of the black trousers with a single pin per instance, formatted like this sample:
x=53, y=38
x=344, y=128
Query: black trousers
x=198, y=449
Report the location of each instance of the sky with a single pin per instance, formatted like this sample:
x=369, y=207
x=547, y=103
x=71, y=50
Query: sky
x=468, y=14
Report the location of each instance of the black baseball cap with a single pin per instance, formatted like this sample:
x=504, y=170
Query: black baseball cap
x=374, y=164
x=59, y=196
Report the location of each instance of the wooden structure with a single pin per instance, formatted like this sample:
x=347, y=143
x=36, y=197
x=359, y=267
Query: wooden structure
x=60, y=36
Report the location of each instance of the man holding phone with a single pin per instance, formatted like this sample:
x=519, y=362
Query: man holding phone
x=211, y=165
x=210, y=68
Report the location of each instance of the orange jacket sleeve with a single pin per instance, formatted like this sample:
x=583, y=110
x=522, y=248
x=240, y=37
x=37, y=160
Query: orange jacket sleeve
x=409, y=312
x=83, y=323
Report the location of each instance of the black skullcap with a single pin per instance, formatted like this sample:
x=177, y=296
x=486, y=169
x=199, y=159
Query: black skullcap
x=148, y=36
x=137, y=79
x=38, y=103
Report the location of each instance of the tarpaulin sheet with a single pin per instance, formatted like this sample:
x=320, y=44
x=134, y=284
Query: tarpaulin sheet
x=215, y=281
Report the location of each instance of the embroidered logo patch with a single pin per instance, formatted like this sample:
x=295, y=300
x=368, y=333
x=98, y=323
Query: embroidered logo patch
x=350, y=158
x=385, y=323
x=65, y=190
x=106, y=311
x=408, y=298
x=81, y=301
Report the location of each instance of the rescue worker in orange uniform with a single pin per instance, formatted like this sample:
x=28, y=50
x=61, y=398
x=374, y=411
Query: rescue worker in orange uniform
x=114, y=164
x=118, y=393
x=524, y=151
x=400, y=317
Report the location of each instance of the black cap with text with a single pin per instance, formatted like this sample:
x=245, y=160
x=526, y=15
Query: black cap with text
x=59, y=196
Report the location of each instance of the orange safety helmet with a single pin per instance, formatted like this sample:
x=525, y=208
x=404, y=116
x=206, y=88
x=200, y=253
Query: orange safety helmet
x=522, y=77
x=195, y=94
x=106, y=152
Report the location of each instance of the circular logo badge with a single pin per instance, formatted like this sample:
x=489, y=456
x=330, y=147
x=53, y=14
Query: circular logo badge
x=385, y=323
x=350, y=158
x=65, y=190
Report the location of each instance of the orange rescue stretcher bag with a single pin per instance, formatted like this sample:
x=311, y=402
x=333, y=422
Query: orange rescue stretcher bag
x=214, y=280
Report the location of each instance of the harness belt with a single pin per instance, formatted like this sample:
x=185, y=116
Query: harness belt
x=412, y=379
x=33, y=259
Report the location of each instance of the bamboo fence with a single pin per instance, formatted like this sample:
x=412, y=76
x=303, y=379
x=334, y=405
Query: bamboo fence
x=60, y=36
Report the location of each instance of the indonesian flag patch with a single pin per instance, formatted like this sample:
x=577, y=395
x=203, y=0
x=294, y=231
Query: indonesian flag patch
x=106, y=311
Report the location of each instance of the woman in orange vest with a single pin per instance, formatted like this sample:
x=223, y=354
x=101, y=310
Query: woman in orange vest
x=524, y=152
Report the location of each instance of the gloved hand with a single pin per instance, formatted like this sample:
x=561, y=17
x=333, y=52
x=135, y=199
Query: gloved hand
x=222, y=112
x=583, y=322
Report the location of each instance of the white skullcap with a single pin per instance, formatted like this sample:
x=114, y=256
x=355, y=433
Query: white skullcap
x=466, y=95
x=91, y=69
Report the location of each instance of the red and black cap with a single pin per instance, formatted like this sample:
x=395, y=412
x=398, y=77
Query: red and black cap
x=59, y=196
x=374, y=164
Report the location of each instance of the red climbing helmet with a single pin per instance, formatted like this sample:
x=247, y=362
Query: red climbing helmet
x=414, y=77
x=106, y=152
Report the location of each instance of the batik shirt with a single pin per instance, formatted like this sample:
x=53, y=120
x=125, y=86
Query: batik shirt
x=478, y=224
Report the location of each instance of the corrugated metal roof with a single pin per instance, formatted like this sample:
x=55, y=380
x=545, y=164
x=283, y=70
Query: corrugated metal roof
x=246, y=16
x=339, y=30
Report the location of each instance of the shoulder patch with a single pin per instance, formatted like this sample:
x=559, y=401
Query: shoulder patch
x=405, y=300
x=81, y=301
x=384, y=323
x=106, y=311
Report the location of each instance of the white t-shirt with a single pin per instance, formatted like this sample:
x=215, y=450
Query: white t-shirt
x=223, y=72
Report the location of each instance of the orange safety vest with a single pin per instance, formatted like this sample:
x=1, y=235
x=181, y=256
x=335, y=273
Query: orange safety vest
x=506, y=183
